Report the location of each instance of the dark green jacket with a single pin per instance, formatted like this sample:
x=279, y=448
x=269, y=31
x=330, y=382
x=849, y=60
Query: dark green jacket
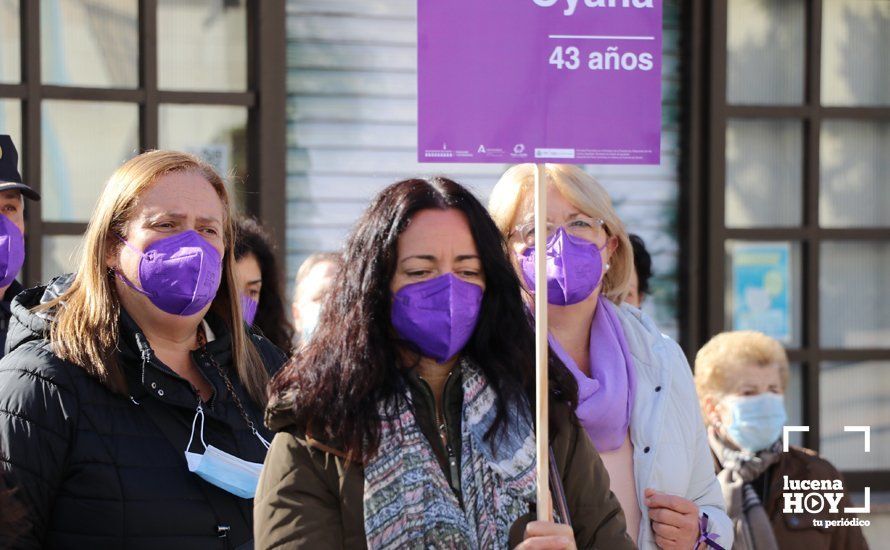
x=309, y=496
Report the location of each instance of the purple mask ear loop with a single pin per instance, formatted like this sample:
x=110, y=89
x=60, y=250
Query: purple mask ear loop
x=121, y=276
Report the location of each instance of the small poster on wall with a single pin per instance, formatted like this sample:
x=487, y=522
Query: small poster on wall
x=761, y=297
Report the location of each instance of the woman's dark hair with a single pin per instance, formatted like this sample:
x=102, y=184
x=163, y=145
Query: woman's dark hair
x=333, y=385
x=642, y=263
x=271, y=319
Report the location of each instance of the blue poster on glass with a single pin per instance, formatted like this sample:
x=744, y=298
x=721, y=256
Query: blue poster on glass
x=761, y=296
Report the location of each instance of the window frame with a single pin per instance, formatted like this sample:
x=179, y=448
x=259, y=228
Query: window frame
x=703, y=224
x=264, y=99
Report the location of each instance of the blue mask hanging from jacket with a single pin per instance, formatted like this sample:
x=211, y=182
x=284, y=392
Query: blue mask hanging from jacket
x=226, y=471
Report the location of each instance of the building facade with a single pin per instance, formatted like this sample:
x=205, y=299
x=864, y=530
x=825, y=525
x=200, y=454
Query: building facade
x=770, y=208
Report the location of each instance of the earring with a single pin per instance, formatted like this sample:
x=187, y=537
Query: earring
x=607, y=266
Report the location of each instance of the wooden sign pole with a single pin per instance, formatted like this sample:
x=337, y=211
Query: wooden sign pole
x=542, y=436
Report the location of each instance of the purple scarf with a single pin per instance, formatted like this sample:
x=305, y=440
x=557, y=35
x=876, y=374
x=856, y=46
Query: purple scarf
x=606, y=397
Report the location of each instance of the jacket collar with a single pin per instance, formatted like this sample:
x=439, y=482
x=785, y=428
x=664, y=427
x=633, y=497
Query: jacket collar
x=644, y=340
x=11, y=292
x=451, y=393
x=143, y=377
x=148, y=376
x=26, y=325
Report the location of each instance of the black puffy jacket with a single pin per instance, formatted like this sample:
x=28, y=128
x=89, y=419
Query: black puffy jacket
x=92, y=466
x=6, y=311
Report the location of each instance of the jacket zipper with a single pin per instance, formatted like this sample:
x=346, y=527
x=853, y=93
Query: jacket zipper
x=452, y=457
x=443, y=436
x=213, y=393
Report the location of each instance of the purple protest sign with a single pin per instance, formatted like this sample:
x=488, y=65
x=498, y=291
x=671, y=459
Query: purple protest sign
x=570, y=81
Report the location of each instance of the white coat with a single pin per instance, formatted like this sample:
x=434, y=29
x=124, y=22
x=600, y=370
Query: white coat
x=671, y=452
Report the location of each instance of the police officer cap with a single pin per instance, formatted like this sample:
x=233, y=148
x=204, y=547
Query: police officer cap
x=9, y=173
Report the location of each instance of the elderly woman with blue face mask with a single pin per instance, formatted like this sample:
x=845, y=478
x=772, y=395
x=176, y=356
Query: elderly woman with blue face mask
x=741, y=379
x=636, y=397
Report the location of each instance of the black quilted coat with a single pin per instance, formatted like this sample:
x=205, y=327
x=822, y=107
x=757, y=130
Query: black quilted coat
x=93, y=468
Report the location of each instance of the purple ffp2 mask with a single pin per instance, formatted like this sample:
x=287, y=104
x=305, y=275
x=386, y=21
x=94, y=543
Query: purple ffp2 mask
x=12, y=251
x=180, y=274
x=248, y=308
x=574, y=268
x=438, y=315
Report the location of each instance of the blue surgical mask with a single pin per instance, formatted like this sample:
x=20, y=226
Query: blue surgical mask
x=757, y=420
x=228, y=472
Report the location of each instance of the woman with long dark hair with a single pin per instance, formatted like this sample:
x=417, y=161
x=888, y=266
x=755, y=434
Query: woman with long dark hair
x=406, y=421
x=259, y=283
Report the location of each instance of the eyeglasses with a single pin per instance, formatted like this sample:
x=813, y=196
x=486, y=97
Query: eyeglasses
x=589, y=229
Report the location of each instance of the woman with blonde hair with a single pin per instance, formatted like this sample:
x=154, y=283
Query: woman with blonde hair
x=131, y=410
x=636, y=397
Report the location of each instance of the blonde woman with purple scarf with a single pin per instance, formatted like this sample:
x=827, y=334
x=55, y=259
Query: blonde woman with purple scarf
x=637, y=399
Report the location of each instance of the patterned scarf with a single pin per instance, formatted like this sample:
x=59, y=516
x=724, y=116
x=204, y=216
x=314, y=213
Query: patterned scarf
x=750, y=522
x=408, y=502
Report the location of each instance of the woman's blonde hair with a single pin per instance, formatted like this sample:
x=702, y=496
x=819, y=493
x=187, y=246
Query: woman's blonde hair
x=85, y=330
x=738, y=348
x=514, y=192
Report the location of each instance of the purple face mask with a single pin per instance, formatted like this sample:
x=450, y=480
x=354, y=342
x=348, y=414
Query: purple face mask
x=180, y=274
x=438, y=315
x=574, y=268
x=248, y=308
x=12, y=251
